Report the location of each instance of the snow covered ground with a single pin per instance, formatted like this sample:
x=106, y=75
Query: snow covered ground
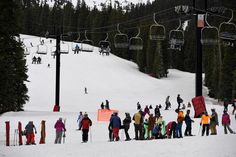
x=120, y=82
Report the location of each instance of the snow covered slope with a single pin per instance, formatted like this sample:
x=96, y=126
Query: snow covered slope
x=120, y=82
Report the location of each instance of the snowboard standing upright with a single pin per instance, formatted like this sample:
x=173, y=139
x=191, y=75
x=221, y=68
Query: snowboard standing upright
x=43, y=132
x=20, y=133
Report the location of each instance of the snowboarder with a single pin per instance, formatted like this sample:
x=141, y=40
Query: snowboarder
x=126, y=126
x=179, y=101
x=226, y=122
x=205, y=123
x=213, y=122
x=115, y=123
x=188, y=122
x=80, y=117
x=29, y=130
x=85, y=124
x=60, y=129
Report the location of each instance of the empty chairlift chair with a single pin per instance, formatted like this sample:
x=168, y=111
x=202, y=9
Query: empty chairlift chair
x=87, y=45
x=121, y=40
x=64, y=48
x=176, y=38
x=227, y=30
x=42, y=49
x=157, y=31
x=210, y=34
x=136, y=43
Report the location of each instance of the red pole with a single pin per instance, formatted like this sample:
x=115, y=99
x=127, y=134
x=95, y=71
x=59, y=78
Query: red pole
x=7, y=133
x=20, y=133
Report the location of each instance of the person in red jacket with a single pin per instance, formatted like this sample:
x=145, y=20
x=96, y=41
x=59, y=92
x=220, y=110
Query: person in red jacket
x=226, y=122
x=85, y=125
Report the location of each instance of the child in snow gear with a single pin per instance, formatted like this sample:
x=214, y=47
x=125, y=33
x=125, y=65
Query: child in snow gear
x=213, y=122
x=115, y=123
x=126, y=125
x=188, y=122
x=80, y=117
x=60, y=129
x=29, y=130
x=205, y=123
x=179, y=101
x=138, y=122
x=85, y=124
x=226, y=122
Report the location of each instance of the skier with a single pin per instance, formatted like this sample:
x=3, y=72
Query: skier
x=60, y=128
x=226, y=122
x=188, y=122
x=179, y=101
x=85, y=124
x=34, y=60
x=168, y=104
x=138, y=122
x=29, y=130
x=213, y=122
x=80, y=117
x=205, y=123
x=115, y=123
x=126, y=126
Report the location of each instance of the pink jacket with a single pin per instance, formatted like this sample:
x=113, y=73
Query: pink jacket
x=59, y=126
x=225, y=119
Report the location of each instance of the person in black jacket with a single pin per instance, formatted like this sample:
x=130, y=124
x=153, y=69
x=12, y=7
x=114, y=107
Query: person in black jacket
x=126, y=125
x=188, y=122
x=179, y=101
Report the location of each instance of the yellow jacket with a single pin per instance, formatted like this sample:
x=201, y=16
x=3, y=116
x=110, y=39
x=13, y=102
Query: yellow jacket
x=138, y=118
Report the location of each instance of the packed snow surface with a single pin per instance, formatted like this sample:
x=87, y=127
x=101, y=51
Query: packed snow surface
x=106, y=78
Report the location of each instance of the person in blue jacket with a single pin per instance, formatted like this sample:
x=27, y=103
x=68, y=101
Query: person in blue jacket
x=115, y=123
x=188, y=122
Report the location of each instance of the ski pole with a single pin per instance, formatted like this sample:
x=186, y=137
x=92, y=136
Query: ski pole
x=90, y=135
x=199, y=129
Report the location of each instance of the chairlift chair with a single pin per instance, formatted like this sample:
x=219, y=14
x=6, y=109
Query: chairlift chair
x=64, y=48
x=176, y=38
x=42, y=49
x=26, y=51
x=87, y=45
x=136, y=43
x=104, y=43
x=121, y=40
x=227, y=30
x=157, y=31
x=210, y=34
x=76, y=42
x=53, y=51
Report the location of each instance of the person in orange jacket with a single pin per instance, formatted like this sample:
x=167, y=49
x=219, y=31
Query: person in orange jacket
x=205, y=120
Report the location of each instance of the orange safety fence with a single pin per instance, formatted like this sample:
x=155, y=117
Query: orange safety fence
x=105, y=114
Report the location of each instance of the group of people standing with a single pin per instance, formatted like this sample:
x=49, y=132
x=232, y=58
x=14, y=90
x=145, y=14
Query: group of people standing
x=36, y=60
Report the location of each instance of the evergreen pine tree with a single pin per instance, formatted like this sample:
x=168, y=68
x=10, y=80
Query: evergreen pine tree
x=13, y=91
